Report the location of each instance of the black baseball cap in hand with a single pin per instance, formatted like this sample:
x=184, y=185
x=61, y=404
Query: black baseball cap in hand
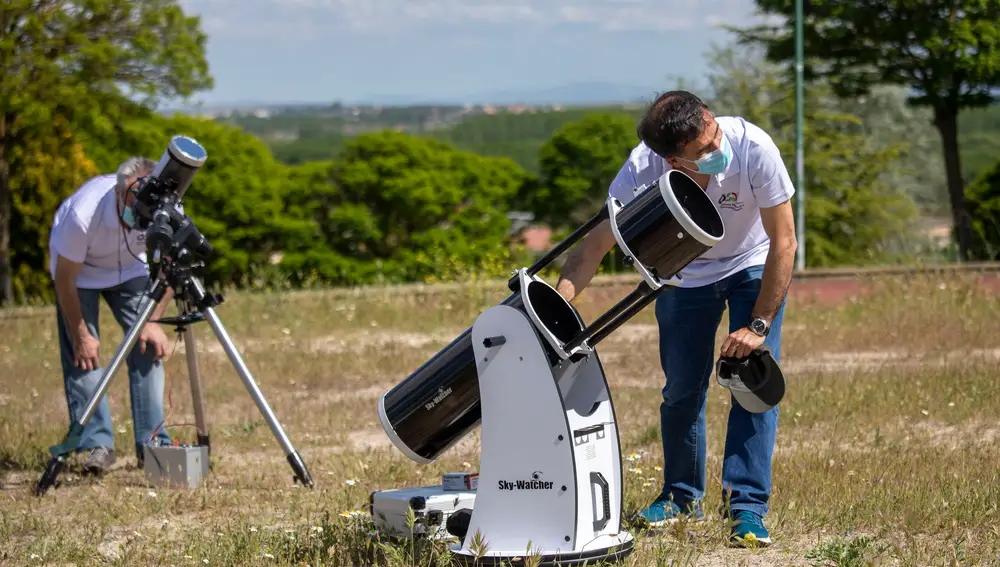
x=755, y=381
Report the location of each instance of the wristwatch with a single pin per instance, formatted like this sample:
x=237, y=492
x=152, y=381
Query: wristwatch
x=759, y=327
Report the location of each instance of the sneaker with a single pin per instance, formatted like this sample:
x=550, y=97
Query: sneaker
x=749, y=530
x=663, y=511
x=99, y=461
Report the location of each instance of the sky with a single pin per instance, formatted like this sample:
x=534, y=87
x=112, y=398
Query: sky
x=304, y=51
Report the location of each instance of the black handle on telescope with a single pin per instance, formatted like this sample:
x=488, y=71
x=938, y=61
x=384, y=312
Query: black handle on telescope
x=613, y=318
x=558, y=249
x=490, y=342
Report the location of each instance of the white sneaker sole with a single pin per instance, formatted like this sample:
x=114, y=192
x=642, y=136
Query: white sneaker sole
x=761, y=542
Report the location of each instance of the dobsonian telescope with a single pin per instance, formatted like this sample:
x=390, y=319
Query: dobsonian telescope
x=176, y=252
x=528, y=373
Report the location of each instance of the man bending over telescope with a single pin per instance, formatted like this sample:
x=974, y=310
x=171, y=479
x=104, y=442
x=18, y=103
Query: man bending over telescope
x=740, y=168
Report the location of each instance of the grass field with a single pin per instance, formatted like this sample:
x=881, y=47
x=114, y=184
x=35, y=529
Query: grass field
x=888, y=450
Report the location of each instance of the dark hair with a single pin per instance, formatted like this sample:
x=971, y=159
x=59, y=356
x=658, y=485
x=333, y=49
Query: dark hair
x=671, y=122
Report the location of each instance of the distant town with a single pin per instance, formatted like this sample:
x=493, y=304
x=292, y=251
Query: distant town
x=338, y=109
x=353, y=119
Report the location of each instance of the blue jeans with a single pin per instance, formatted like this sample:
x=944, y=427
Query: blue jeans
x=688, y=321
x=145, y=375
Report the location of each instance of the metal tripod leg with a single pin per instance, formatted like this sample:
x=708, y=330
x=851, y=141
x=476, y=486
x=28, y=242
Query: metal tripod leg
x=72, y=440
x=298, y=466
x=194, y=374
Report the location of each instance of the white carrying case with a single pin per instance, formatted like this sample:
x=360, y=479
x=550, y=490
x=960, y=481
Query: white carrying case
x=432, y=506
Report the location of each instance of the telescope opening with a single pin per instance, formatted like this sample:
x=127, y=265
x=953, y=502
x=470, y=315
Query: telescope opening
x=696, y=206
x=668, y=225
x=553, y=311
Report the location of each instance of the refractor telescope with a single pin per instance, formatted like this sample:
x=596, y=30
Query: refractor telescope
x=528, y=373
x=158, y=207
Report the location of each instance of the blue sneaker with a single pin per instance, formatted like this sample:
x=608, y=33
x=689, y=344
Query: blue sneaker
x=663, y=511
x=749, y=530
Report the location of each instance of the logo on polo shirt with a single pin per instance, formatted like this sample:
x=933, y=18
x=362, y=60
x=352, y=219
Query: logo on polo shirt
x=730, y=201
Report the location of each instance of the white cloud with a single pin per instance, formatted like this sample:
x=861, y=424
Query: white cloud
x=305, y=18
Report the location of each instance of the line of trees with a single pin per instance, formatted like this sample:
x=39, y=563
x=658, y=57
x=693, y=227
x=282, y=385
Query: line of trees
x=947, y=52
x=80, y=78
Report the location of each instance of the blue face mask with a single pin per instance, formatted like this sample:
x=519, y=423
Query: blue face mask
x=717, y=161
x=128, y=217
x=128, y=214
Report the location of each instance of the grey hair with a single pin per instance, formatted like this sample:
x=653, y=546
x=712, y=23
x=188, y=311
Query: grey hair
x=133, y=166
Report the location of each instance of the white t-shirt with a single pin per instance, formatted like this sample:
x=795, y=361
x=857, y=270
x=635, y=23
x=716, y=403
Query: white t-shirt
x=87, y=229
x=756, y=177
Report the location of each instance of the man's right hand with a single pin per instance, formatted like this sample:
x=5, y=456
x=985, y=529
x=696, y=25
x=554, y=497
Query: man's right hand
x=85, y=345
x=566, y=289
x=86, y=351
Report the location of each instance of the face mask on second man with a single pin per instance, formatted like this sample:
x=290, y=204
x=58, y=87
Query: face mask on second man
x=128, y=211
x=716, y=161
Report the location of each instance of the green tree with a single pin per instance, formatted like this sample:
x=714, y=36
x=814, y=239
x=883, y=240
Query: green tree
x=853, y=215
x=887, y=119
x=984, y=206
x=311, y=195
x=44, y=171
x=948, y=51
x=979, y=139
x=402, y=202
x=578, y=163
x=75, y=59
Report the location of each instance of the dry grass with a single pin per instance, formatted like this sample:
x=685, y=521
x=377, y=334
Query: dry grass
x=887, y=449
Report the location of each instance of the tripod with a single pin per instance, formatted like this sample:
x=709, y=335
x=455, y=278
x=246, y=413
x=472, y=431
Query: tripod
x=196, y=304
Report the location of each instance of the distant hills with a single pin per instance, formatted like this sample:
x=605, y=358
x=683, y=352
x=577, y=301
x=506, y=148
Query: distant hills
x=584, y=93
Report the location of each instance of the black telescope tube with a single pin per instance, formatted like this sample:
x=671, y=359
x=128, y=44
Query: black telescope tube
x=558, y=249
x=613, y=318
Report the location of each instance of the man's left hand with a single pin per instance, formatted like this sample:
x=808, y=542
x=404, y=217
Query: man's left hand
x=741, y=343
x=153, y=337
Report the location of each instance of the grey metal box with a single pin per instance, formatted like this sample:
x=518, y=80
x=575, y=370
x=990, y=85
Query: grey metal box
x=183, y=466
x=432, y=506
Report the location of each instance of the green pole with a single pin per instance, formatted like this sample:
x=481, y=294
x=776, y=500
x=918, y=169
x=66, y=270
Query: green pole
x=800, y=177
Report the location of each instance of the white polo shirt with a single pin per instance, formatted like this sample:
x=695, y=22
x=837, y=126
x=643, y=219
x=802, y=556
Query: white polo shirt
x=87, y=229
x=756, y=177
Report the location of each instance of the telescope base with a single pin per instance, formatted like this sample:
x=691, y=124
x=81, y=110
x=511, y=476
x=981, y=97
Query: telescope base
x=550, y=478
x=602, y=551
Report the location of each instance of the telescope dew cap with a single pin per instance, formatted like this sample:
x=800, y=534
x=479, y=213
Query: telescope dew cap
x=755, y=381
x=188, y=151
